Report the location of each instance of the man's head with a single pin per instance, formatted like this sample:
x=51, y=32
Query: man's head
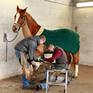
x=51, y=47
x=42, y=39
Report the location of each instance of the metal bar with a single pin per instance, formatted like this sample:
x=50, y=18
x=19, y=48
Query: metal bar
x=56, y=83
x=6, y=50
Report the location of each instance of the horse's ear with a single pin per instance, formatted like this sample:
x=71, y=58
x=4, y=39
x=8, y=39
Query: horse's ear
x=17, y=7
x=25, y=9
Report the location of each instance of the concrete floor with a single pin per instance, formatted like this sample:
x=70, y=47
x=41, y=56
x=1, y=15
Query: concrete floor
x=82, y=84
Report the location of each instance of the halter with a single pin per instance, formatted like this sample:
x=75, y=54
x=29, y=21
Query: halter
x=22, y=23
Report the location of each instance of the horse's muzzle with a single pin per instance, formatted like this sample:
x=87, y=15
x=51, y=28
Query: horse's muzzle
x=15, y=29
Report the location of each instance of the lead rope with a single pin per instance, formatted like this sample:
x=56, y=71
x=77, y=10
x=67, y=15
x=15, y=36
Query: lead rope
x=5, y=40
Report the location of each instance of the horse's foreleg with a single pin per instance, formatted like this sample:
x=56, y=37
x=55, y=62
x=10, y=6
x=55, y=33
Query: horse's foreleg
x=76, y=60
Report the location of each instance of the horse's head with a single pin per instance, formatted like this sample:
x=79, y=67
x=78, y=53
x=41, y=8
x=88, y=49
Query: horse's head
x=19, y=19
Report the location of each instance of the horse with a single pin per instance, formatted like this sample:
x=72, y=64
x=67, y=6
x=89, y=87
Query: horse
x=30, y=27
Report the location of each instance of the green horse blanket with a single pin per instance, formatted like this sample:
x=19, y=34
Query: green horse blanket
x=64, y=38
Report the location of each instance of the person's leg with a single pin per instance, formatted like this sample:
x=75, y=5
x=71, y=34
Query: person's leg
x=40, y=76
x=41, y=69
x=17, y=52
x=60, y=66
x=26, y=83
x=41, y=86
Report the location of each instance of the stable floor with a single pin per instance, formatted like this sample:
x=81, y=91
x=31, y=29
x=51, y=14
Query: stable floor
x=82, y=84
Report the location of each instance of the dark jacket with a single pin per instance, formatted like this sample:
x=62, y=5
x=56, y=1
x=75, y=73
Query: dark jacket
x=62, y=59
x=28, y=44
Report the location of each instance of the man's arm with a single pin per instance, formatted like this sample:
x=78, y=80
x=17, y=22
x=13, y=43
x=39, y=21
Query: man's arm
x=57, y=54
x=31, y=50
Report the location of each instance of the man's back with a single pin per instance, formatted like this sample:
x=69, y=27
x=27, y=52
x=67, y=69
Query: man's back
x=24, y=44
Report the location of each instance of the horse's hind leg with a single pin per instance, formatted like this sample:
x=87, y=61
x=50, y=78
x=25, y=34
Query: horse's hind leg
x=76, y=60
x=69, y=58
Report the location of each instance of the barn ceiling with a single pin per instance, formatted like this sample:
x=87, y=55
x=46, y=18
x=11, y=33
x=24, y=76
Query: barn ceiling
x=77, y=1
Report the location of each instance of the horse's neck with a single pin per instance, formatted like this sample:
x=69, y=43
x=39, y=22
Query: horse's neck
x=31, y=27
x=26, y=30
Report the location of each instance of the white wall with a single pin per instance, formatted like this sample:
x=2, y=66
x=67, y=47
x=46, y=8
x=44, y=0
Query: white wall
x=83, y=20
x=52, y=15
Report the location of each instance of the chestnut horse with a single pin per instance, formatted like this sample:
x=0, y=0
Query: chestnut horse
x=30, y=28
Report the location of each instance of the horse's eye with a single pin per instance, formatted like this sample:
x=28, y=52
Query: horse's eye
x=21, y=17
